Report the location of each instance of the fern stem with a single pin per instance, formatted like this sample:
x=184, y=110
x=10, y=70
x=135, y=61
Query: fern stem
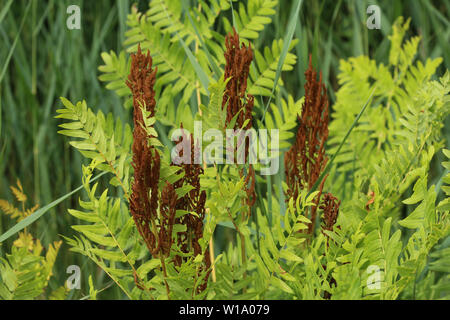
x=126, y=257
x=163, y=265
x=112, y=277
x=242, y=238
x=244, y=260
x=211, y=256
x=243, y=253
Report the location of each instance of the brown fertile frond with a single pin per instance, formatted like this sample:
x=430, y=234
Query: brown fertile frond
x=192, y=201
x=168, y=211
x=238, y=59
x=306, y=158
x=156, y=226
x=330, y=209
x=141, y=80
x=146, y=160
x=144, y=196
x=9, y=209
x=237, y=67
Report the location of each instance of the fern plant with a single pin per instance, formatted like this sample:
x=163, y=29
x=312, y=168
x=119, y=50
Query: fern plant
x=373, y=229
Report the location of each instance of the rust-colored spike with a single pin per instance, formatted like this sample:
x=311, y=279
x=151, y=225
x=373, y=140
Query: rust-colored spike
x=306, y=158
x=237, y=68
x=330, y=208
x=156, y=226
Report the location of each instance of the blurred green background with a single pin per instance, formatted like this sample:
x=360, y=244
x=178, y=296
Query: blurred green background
x=41, y=60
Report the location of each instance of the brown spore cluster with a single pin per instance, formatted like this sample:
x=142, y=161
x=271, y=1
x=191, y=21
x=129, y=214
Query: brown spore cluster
x=330, y=207
x=146, y=159
x=238, y=58
x=154, y=213
x=306, y=158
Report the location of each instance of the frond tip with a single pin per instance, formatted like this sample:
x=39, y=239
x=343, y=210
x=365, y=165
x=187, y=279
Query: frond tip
x=330, y=209
x=306, y=159
x=146, y=160
x=238, y=59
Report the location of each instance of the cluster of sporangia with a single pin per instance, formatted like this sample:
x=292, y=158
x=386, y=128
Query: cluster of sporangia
x=306, y=159
x=156, y=226
x=236, y=102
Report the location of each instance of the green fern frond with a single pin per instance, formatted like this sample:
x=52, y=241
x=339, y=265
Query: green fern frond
x=25, y=274
x=444, y=205
x=167, y=16
x=263, y=70
x=101, y=139
x=108, y=235
x=284, y=119
x=405, y=104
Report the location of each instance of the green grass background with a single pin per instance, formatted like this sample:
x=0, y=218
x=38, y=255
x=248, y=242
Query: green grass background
x=41, y=60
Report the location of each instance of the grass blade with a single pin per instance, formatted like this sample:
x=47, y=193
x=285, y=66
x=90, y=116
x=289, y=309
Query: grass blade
x=5, y=10
x=37, y=214
x=232, y=15
x=198, y=69
x=286, y=43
